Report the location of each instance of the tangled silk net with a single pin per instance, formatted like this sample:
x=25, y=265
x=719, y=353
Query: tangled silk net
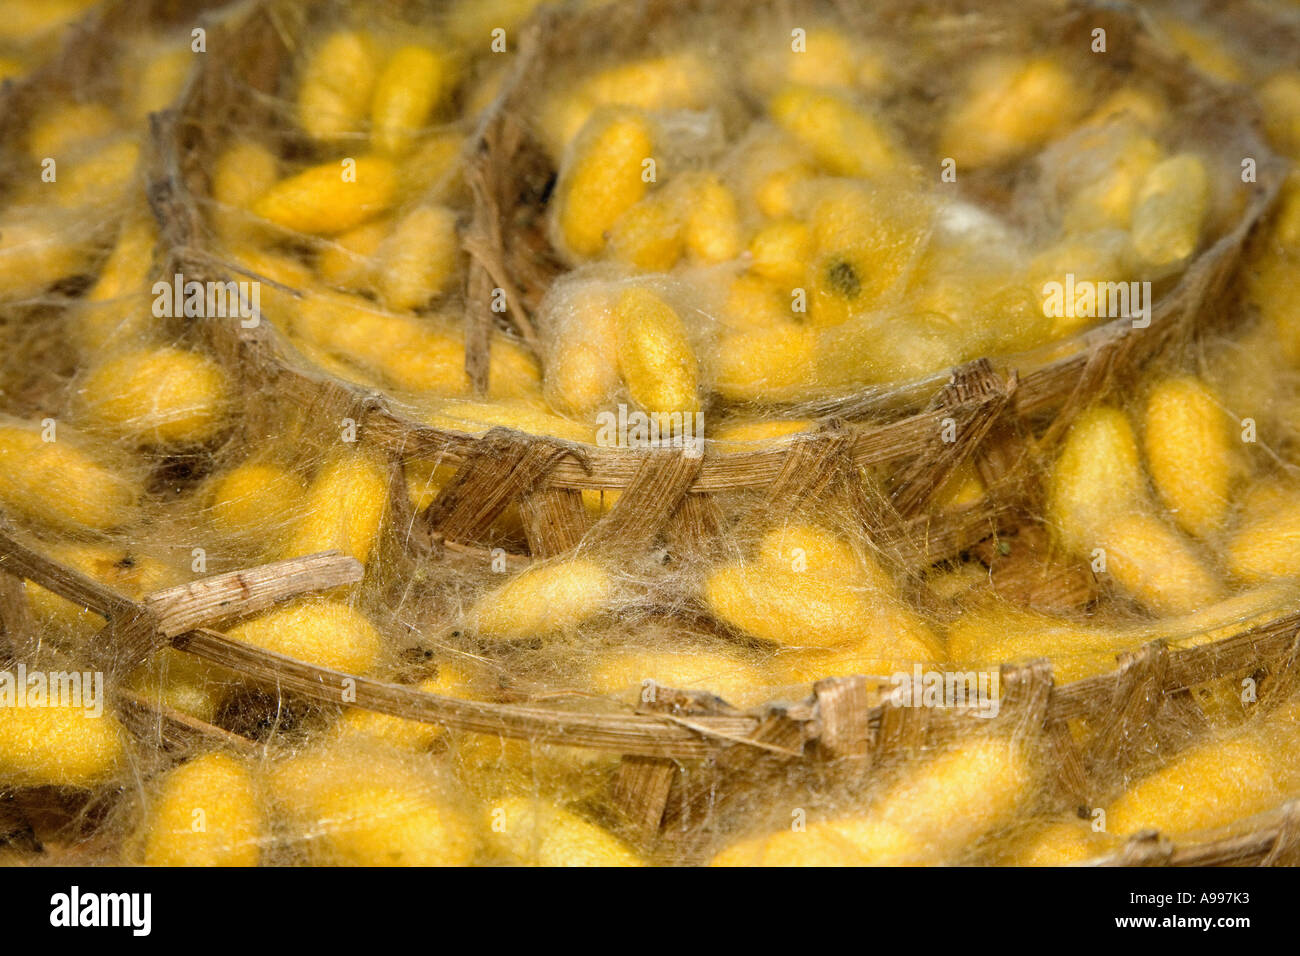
x=662, y=432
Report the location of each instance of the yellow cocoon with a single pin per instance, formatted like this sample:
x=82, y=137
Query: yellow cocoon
x=332, y=197
x=845, y=138
x=252, y=500
x=452, y=681
x=1154, y=564
x=64, y=128
x=478, y=417
x=545, y=600
x=344, y=508
x=61, y=484
x=1266, y=543
x=933, y=812
x=205, y=813
x=631, y=673
x=182, y=682
x=410, y=87
x=164, y=396
x=1002, y=633
x=418, y=260
x=1279, y=96
x=602, y=178
x=765, y=364
x=1096, y=477
x=416, y=354
x=649, y=235
x=317, y=631
x=335, y=85
x=1010, y=106
x=241, y=174
x=59, y=746
x=1171, y=206
x=654, y=355
x=808, y=588
x=530, y=832
x=711, y=226
x=349, y=261
x=36, y=253
x=366, y=809
x=1190, y=453
x=115, y=309
x=1057, y=844
x=1209, y=786
x=781, y=250
x=582, y=365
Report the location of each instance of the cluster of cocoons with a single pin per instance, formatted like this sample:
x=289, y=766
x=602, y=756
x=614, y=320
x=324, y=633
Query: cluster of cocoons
x=735, y=236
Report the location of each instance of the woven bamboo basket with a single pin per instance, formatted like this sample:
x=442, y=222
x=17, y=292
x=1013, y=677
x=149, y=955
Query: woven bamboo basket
x=690, y=760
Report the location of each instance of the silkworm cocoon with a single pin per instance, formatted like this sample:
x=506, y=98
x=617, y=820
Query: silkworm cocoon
x=182, y=682
x=1266, y=542
x=115, y=310
x=808, y=588
x=828, y=58
x=1269, y=283
x=217, y=791
x=164, y=396
x=1154, y=564
x=59, y=746
x=543, y=601
x=1204, y=49
x=1001, y=633
x=582, y=365
x=1010, y=106
x=1171, y=206
x=66, y=127
x=765, y=364
x=539, y=833
x=364, y=809
x=1190, y=454
x=11, y=68
x=331, y=198
x=1096, y=477
x=415, y=354
x=1280, y=98
x=497, y=767
x=655, y=357
x=36, y=253
x=933, y=812
x=409, y=88
x=866, y=243
x=1097, y=258
x=98, y=177
x=777, y=174
x=252, y=500
x=649, y=235
x=335, y=87
x=418, y=260
x=1057, y=844
x=1209, y=786
x=241, y=174
x=349, y=260
x=711, y=228
x=155, y=75
x=1108, y=200
x=844, y=138
x=632, y=673
x=755, y=435
x=133, y=575
x=672, y=82
x=452, y=681
x=344, y=509
x=434, y=168
x=602, y=179
x=60, y=483
x=475, y=418
x=781, y=251
x=318, y=631
x=757, y=302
